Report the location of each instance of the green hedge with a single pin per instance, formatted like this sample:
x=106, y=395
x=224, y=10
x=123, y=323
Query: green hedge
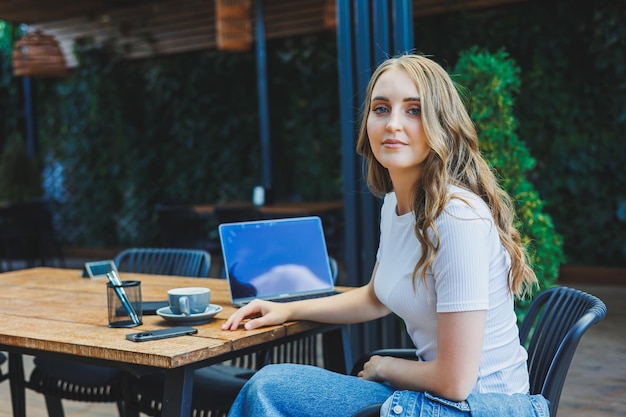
x=571, y=108
x=493, y=83
x=11, y=107
x=184, y=129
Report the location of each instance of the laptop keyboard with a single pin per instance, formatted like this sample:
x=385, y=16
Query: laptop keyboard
x=303, y=297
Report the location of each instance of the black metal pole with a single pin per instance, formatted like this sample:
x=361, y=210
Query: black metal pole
x=264, y=123
x=368, y=31
x=31, y=144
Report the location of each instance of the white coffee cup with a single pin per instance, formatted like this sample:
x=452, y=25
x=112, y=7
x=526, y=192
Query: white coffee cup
x=189, y=300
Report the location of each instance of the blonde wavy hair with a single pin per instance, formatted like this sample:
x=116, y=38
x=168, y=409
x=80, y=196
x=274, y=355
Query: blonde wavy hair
x=454, y=159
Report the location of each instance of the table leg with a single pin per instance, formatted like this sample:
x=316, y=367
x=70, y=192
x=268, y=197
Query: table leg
x=177, y=392
x=16, y=382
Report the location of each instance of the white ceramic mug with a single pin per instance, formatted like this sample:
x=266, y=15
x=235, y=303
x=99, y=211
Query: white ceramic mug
x=189, y=300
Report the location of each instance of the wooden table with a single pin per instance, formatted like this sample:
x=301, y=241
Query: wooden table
x=56, y=312
x=303, y=208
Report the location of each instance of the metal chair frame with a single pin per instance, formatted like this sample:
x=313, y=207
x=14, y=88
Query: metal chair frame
x=3, y=359
x=165, y=261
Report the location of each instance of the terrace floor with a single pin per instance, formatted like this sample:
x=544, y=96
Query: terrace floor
x=595, y=385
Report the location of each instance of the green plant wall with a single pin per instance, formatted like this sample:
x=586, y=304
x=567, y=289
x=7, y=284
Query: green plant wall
x=491, y=85
x=571, y=108
x=11, y=102
x=184, y=129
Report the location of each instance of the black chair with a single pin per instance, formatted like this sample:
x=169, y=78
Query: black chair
x=61, y=379
x=165, y=261
x=27, y=234
x=551, y=330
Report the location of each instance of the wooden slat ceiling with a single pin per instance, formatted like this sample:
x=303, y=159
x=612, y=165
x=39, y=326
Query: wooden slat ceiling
x=143, y=28
x=34, y=11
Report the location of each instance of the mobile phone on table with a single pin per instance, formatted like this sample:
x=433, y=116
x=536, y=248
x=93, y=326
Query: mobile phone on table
x=161, y=333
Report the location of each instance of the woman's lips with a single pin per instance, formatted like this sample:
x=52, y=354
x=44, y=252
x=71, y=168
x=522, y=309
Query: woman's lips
x=393, y=143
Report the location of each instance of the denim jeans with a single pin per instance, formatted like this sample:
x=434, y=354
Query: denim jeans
x=420, y=404
x=302, y=390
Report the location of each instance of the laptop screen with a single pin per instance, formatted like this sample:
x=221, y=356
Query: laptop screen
x=268, y=258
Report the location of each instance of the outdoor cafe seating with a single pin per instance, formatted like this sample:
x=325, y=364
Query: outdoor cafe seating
x=59, y=379
x=215, y=386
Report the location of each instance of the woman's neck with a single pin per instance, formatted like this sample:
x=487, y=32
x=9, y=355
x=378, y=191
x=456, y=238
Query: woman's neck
x=404, y=187
x=404, y=196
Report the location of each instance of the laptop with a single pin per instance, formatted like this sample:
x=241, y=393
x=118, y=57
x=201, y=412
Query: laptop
x=277, y=259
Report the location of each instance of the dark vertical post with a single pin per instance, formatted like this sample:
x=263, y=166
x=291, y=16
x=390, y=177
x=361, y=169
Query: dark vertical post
x=29, y=118
x=347, y=86
x=368, y=31
x=264, y=122
x=403, y=26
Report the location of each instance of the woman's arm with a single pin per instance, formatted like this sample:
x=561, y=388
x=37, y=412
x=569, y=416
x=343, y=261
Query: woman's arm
x=453, y=373
x=354, y=306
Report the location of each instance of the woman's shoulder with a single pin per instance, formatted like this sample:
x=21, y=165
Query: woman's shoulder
x=389, y=197
x=465, y=204
x=389, y=202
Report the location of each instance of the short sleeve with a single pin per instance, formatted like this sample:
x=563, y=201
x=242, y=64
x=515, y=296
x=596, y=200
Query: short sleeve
x=461, y=266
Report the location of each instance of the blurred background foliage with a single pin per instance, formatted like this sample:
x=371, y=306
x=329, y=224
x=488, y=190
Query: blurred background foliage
x=571, y=108
x=491, y=86
x=120, y=136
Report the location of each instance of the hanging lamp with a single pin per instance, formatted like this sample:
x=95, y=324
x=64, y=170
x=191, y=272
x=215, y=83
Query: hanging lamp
x=233, y=25
x=330, y=14
x=38, y=55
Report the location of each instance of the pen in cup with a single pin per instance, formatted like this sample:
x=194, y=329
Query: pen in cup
x=116, y=282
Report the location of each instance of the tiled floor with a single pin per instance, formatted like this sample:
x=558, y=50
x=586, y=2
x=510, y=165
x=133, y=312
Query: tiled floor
x=595, y=385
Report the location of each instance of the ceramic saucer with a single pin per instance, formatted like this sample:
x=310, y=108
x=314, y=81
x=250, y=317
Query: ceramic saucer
x=196, y=318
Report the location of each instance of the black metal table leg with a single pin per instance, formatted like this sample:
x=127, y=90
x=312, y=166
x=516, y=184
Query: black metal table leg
x=177, y=393
x=16, y=381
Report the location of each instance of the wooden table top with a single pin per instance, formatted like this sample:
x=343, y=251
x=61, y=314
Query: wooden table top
x=286, y=208
x=56, y=310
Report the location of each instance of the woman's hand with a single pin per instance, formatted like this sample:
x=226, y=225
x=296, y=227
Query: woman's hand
x=261, y=313
x=372, y=369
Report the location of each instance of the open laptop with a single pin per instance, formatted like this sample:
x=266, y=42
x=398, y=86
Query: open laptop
x=277, y=259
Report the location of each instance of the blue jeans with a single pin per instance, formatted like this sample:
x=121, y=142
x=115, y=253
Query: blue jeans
x=301, y=390
x=413, y=404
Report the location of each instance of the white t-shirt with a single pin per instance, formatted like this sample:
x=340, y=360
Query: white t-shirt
x=468, y=273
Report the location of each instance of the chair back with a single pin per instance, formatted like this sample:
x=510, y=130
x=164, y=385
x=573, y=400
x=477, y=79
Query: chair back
x=27, y=233
x=553, y=326
x=165, y=261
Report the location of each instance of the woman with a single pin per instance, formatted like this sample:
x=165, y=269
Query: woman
x=449, y=263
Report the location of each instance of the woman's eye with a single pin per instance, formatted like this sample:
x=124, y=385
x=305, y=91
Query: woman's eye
x=379, y=109
x=415, y=111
